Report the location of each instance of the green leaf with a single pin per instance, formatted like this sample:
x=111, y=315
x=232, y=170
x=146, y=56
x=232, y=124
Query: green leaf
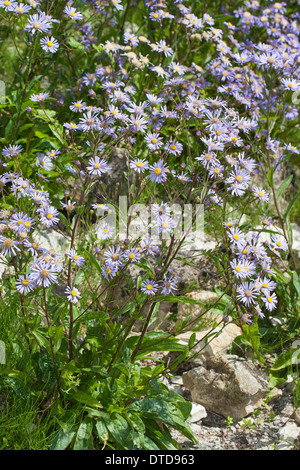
x=84, y=435
x=102, y=430
x=57, y=131
x=270, y=177
x=289, y=207
x=85, y=398
x=62, y=440
x=94, y=261
x=286, y=359
x=280, y=276
x=296, y=282
x=120, y=431
x=75, y=44
x=283, y=186
x=192, y=340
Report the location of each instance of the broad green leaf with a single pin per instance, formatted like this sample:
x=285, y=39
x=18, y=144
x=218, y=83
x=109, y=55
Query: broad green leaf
x=120, y=431
x=83, y=437
x=62, y=440
x=85, y=398
x=283, y=186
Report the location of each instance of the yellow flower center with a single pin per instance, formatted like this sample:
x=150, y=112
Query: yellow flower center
x=149, y=287
x=50, y=43
x=157, y=171
x=25, y=282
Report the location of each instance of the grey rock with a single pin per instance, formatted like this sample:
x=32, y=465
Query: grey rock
x=296, y=415
x=274, y=394
x=220, y=343
x=288, y=410
x=289, y=432
x=227, y=385
x=198, y=412
x=51, y=240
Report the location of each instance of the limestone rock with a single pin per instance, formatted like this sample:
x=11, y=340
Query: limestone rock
x=51, y=240
x=289, y=432
x=227, y=385
x=198, y=412
x=221, y=342
x=297, y=415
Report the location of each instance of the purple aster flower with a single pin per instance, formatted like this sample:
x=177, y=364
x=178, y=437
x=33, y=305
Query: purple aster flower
x=132, y=39
x=25, y=284
x=247, y=293
x=139, y=165
x=109, y=270
x=78, y=106
x=73, y=294
x=49, y=216
x=270, y=300
x=8, y=246
x=43, y=273
x=174, y=148
x=97, y=167
x=169, y=286
x=72, y=13
x=44, y=162
x=12, y=150
x=49, y=44
x=153, y=141
x=149, y=287
x=158, y=172
x=73, y=256
x=21, y=222
x=39, y=97
x=105, y=231
x=89, y=121
x=39, y=22
x=114, y=255
x=279, y=242
x=132, y=255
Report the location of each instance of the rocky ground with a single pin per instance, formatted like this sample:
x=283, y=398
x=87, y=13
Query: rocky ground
x=273, y=426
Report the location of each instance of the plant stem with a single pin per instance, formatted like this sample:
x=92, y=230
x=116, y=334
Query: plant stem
x=51, y=342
